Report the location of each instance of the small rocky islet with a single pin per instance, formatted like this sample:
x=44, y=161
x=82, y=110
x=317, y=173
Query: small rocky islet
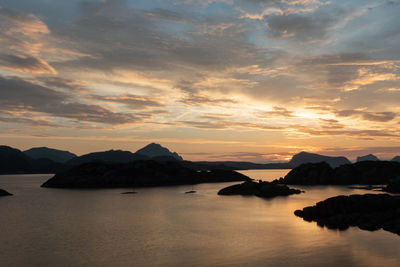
x=260, y=189
x=4, y=193
x=368, y=212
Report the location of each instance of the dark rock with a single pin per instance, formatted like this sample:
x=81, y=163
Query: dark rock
x=368, y=212
x=137, y=174
x=190, y=192
x=260, y=189
x=4, y=193
x=393, y=186
x=310, y=174
x=129, y=193
x=365, y=172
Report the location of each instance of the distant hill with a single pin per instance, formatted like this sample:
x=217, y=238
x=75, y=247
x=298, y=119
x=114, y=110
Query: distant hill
x=305, y=157
x=110, y=156
x=368, y=157
x=242, y=165
x=49, y=153
x=156, y=150
x=14, y=161
x=397, y=158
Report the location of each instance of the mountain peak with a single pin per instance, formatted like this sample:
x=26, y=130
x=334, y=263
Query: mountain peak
x=368, y=157
x=306, y=157
x=156, y=150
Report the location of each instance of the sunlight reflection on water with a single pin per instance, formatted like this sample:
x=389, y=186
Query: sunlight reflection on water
x=165, y=227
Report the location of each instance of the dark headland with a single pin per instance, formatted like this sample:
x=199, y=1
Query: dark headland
x=368, y=212
x=141, y=173
x=364, y=172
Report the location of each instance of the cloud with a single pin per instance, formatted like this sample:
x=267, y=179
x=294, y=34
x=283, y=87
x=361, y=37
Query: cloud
x=21, y=40
x=21, y=96
x=195, y=99
x=303, y=28
x=278, y=112
x=29, y=64
x=369, y=116
x=131, y=101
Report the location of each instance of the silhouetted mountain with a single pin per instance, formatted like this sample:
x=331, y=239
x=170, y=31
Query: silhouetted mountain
x=397, y=158
x=305, y=157
x=156, y=150
x=49, y=153
x=368, y=157
x=110, y=156
x=243, y=165
x=137, y=174
x=13, y=161
x=364, y=172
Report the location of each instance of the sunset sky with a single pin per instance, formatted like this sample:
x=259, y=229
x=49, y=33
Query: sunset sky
x=252, y=80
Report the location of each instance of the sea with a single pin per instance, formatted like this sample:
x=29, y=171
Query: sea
x=163, y=226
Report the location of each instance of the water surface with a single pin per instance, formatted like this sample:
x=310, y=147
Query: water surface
x=165, y=227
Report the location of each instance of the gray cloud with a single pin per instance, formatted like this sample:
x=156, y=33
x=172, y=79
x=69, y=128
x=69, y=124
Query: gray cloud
x=131, y=101
x=28, y=64
x=305, y=27
x=20, y=95
x=369, y=116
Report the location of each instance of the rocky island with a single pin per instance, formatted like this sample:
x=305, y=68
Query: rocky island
x=368, y=212
x=4, y=193
x=364, y=172
x=140, y=173
x=259, y=189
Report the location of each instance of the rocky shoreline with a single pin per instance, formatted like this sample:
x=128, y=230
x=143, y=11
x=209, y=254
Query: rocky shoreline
x=362, y=173
x=368, y=212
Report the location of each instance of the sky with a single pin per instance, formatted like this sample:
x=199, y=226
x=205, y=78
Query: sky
x=249, y=80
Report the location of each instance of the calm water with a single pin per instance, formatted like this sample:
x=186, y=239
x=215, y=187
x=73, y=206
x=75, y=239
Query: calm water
x=165, y=227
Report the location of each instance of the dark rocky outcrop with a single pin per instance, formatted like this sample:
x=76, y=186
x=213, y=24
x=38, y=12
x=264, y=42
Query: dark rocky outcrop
x=137, y=174
x=393, y=186
x=55, y=155
x=368, y=212
x=305, y=157
x=260, y=189
x=368, y=157
x=365, y=172
x=4, y=193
